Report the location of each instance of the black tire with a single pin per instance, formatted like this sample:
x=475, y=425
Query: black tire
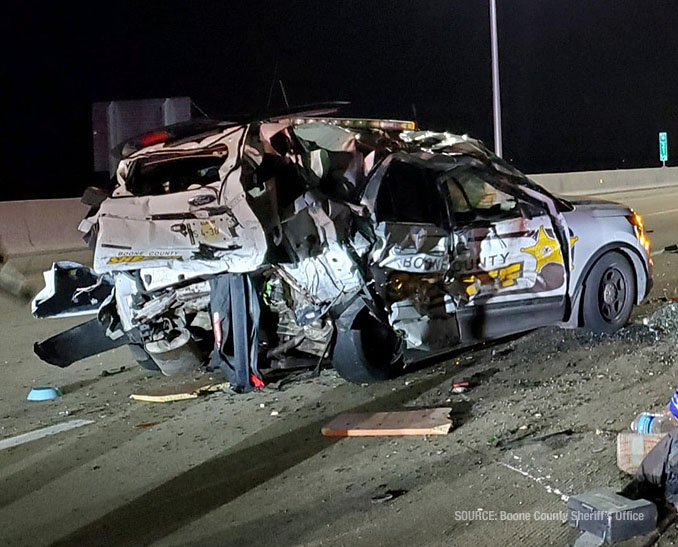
x=368, y=352
x=141, y=357
x=609, y=293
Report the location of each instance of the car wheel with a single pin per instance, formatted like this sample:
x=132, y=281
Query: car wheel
x=609, y=293
x=141, y=357
x=367, y=352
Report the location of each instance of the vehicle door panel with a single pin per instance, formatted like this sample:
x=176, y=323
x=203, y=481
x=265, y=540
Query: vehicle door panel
x=508, y=267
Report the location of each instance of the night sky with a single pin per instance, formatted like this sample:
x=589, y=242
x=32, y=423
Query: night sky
x=586, y=84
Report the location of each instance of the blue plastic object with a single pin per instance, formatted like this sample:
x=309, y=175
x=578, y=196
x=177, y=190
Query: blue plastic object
x=43, y=394
x=673, y=404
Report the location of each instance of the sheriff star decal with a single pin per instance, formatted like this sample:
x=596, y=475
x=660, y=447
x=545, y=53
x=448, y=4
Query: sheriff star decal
x=545, y=250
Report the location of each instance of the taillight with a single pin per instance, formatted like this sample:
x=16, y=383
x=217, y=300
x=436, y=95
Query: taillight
x=154, y=137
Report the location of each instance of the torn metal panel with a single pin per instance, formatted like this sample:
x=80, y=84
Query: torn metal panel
x=411, y=248
x=70, y=290
x=326, y=277
x=432, y=329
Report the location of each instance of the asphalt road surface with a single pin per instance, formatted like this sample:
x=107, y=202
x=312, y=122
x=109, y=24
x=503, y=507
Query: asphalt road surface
x=537, y=425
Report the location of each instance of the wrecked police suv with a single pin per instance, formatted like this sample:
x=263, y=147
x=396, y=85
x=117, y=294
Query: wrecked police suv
x=368, y=243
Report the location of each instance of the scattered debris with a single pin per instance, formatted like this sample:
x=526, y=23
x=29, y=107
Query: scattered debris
x=668, y=249
x=502, y=352
x=609, y=516
x=113, y=372
x=665, y=320
x=460, y=386
x=539, y=480
x=147, y=424
x=191, y=391
x=43, y=394
x=389, y=495
x=434, y=421
x=465, y=360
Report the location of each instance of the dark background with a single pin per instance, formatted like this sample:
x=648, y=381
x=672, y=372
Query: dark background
x=586, y=84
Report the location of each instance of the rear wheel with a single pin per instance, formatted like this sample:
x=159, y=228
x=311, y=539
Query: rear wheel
x=609, y=293
x=367, y=352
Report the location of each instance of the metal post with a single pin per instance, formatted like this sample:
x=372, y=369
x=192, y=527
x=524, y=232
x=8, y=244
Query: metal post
x=496, y=94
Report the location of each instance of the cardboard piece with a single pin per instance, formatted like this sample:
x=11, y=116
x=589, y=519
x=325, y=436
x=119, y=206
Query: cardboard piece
x=632, y=449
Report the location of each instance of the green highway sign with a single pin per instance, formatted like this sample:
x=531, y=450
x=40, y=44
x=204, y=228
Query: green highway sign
x=663, y=146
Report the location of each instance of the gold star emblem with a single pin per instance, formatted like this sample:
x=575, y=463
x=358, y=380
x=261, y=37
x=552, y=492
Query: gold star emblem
x=545, y=250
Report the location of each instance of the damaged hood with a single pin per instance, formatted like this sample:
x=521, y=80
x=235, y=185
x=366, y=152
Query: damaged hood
x=598, y=207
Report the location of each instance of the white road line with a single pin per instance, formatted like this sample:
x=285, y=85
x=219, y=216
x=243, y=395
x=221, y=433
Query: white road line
x=660, y=213
x=40, y=433
x=539, y=480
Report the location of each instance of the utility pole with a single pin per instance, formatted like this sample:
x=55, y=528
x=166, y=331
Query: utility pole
x=496, y=93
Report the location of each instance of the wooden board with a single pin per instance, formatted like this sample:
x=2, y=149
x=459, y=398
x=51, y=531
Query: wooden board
x=182, y=393
x=632, y=449
x=435, y=421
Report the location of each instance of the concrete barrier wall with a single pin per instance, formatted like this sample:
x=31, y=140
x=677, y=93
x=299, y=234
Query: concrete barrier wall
x=41, y=225
x=602, y=182
x=50, y=226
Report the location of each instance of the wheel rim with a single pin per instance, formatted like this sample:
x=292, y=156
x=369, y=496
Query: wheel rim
x=612, y=294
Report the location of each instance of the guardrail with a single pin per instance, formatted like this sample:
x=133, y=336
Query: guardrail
x=604, y=182
x=41, y=225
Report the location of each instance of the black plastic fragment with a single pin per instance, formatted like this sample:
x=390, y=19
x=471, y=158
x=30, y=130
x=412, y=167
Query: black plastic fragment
x=83, y=341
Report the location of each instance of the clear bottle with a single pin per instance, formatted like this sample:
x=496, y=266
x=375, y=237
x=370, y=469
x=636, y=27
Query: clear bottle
x=658, y=422
x=654, y=422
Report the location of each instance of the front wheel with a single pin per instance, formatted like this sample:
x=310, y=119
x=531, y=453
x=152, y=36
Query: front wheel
x=609, y=293
x=369, y=351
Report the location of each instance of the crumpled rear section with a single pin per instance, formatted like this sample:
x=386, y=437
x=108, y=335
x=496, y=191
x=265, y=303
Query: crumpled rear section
x=280, y=226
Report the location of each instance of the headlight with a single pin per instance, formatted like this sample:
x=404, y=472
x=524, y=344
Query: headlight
x=637, y=222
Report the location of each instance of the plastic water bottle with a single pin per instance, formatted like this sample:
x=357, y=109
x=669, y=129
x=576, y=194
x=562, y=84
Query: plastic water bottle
x=658, y=422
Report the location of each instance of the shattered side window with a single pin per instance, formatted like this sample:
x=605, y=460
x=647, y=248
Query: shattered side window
x=152, y=177
x=473, y=191
x=408, y=193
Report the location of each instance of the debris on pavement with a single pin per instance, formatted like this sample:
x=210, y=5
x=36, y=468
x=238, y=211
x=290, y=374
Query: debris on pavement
x=668, y=249
x=113, y=372
x=665, y=320
x=632, y=449
x=461, y=386
x=147, y=424
x=388, y=495
x=434, y=421
x=190, y=391
x=610, y=516
x=46, y=393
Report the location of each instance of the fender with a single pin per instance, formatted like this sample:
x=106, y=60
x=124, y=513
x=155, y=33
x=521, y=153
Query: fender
x=640, y=267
